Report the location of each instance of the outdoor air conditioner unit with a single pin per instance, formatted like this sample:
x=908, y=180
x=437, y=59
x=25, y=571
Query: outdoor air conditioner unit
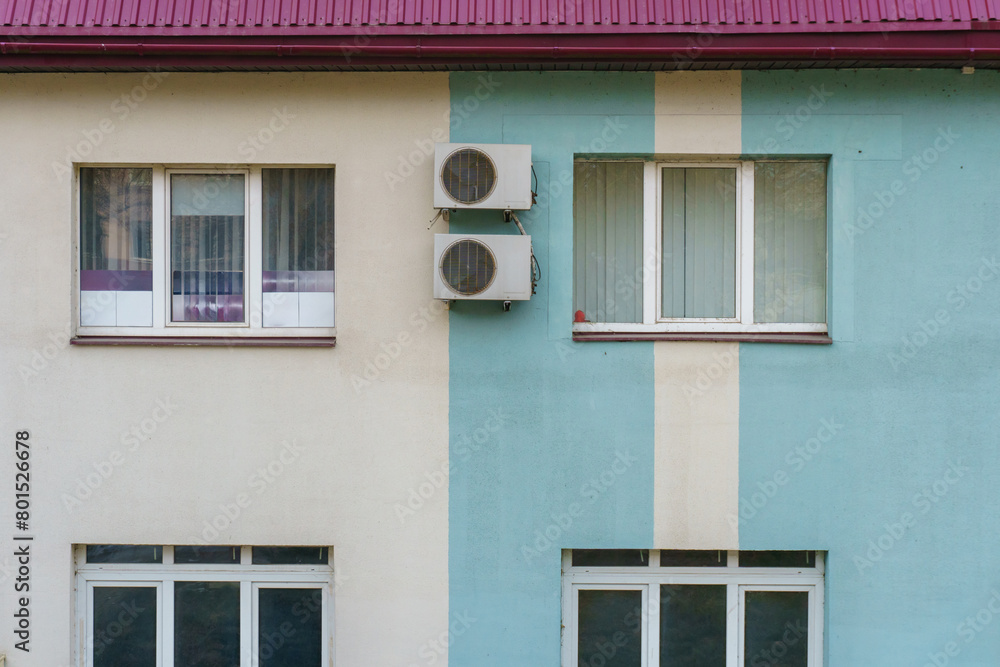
x=486, y=176
x=482, y=266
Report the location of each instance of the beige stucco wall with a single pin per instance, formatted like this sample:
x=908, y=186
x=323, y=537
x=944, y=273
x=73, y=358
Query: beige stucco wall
x=696, y=477
x=363, y=446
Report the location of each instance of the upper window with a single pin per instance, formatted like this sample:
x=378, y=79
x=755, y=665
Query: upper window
x=205, y=606
x=653, y=608
x=720, y=247
x=206, y=252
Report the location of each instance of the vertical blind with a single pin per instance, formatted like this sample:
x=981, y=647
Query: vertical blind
x=207, y=213
x=790, y=242
x=116, y=219
x=699, y=242
x=298, y=230
x=607, y=208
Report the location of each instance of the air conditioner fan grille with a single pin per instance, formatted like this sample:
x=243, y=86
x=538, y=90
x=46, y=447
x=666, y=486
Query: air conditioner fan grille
x=468, y=267
x=468, y=176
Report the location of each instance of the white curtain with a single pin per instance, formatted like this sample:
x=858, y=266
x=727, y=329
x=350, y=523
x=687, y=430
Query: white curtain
x=699, y=242
x=207, y=246
x=607, y=213
x=116, y=219
x=298, y=220
x=790, y=242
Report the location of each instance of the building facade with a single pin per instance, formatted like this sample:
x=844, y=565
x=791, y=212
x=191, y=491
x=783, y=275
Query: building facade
x=250, y=433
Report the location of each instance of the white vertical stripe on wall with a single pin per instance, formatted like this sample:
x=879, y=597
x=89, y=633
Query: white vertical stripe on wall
x=696, y=476
x=699, y=242
x=607, y=208
x=790, y=242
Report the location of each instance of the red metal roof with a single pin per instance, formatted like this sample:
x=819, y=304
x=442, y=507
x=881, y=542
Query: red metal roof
x=501, y=15
x=107, y=35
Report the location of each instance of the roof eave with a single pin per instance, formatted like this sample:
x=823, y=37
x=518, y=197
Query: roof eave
x=551, y=51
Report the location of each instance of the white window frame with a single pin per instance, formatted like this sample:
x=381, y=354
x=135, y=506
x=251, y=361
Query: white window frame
x=251, y=265
x=163, y=575
x=649, y=578
x=652, y=239
x=253, y=299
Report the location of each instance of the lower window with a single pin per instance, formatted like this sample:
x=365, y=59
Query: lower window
x=692, y=608
x=205, y=606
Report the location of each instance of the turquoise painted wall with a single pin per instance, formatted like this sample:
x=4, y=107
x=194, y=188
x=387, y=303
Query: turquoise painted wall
x=902, y=488
x=568, y=410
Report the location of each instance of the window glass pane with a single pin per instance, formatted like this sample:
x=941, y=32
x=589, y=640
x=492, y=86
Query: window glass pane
x=124, y=626
x=206, y=554
x=116, y=219
x=607, y=241
x=777, y=627
x=291, y=555
x=298, y=276
x=610, y=628
x=777, y=559
x=699, y=242
x=206, y=624
x=206, y=247
x=692, y=626
x=790, y=242
x=693, y=558
x=298, y=229
x=124, y=553
x=289, y=632
x=610, y=557
x=116, y=250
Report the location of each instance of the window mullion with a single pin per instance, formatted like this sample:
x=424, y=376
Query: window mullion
x=327, y=623
x=246, y=623
x=746, y=242
x=815, y=635
x=165, y=627
x=161, y=261
x=89, y=625
x=651, y=597
x=651, y=264
x=254, y=267
x=734, y=626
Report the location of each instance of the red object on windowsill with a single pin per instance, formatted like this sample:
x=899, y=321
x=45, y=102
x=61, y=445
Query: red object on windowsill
x=580, y=316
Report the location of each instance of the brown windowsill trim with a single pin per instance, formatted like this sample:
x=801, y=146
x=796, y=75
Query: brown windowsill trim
x=801, y=338
x=204, y=341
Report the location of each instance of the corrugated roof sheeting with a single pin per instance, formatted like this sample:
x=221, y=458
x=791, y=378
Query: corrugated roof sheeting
x=608, y=13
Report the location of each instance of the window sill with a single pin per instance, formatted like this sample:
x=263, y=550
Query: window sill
x=206, y=341
x=735, y=337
